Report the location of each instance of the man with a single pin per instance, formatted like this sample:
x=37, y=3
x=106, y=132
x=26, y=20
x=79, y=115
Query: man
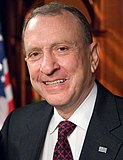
x=62, y=60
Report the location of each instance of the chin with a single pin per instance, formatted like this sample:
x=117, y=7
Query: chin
x=56, y=102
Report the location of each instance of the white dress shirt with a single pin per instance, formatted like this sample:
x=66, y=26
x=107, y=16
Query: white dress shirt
x=81, y=117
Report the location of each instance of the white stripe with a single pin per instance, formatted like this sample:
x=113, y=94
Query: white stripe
x=3, y=110
x=5, y=66
x=8, y=92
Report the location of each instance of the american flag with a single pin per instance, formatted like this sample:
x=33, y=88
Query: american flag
x=6, y=96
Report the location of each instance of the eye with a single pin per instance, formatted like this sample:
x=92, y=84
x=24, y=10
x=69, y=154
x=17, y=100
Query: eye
x=62, y=49
x=34, y=55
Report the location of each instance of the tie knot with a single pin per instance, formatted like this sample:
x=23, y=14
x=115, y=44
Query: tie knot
x=65, y=129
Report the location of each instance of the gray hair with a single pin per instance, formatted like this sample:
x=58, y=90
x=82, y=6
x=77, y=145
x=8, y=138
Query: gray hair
x=56, y=8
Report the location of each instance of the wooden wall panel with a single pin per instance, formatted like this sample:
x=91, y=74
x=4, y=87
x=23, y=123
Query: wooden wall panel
x=111, y=45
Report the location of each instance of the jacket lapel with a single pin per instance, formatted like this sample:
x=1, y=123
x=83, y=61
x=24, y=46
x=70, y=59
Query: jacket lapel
x=32, y=142
x=101, y=142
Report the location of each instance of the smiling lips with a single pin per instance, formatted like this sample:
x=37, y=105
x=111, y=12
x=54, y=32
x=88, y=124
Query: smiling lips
x=55, y=82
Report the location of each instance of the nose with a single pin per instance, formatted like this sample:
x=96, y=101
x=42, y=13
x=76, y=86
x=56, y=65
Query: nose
x=49, y=64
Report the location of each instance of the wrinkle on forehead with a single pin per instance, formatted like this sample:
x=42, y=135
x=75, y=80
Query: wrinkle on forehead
x=53, y=29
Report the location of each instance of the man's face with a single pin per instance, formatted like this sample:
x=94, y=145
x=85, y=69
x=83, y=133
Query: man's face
x=62, y=72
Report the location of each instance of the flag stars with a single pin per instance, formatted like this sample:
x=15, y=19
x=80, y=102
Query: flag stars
x=2, y=79
x=1, y=66
x=1, y=38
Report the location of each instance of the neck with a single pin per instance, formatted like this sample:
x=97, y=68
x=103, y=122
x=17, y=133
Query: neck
x=66, y=111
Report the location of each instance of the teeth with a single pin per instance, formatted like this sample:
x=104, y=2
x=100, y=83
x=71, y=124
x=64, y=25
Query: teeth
x=55, y=82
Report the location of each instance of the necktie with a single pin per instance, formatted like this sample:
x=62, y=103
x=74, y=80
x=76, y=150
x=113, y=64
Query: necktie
x=62, y=149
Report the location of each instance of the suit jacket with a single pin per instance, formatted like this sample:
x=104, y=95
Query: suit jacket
x=24, y=131
x=1, y=149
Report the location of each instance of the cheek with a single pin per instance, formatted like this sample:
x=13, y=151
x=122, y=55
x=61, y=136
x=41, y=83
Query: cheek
x=79, y=68
x=70, y=64
x=33, y=70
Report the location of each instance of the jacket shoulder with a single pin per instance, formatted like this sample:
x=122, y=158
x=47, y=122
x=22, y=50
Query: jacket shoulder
x=119, y=102
x=30, y=113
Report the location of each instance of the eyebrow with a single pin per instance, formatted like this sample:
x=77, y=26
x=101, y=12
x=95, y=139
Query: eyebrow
x=32, y=49
x=72, y=43
x=64, y=42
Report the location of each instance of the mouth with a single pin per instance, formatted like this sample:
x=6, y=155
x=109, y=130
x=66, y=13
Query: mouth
x=54, y=82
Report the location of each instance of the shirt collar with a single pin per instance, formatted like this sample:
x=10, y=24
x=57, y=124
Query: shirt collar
x=81, y=116
x=56, y=119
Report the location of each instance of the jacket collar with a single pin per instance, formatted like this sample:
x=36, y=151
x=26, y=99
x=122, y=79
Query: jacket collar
x=29, y=148
x=101, y=142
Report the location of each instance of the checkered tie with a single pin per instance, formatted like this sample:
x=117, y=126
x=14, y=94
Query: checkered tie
x=62, y=149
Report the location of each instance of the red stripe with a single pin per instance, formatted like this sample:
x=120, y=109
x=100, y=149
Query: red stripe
x=7, y=79
x=11, y=105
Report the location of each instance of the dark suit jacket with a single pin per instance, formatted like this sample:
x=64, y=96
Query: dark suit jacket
x=25, y=129
x=1, y=149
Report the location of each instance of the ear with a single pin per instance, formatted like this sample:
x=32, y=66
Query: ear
x=94, y=56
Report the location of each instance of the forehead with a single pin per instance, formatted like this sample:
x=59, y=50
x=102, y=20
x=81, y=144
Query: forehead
x=49, y=29
x=63, y=14
x=65, y=20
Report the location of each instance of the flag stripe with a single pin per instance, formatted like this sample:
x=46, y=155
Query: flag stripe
x=7, y=80
x=11, y=105
x=6, y=96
